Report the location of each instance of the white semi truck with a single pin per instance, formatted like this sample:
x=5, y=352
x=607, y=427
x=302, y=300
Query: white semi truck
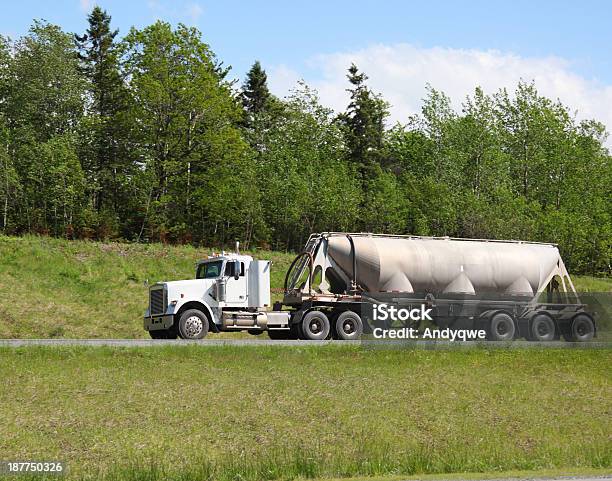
x=510, y=289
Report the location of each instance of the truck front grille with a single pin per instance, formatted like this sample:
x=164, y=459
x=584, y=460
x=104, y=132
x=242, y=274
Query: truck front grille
x=157, y=301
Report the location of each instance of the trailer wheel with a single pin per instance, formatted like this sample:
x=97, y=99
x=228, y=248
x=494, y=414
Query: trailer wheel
x=501, y=328
x=582, y=329
x=315, y=326
x=542, y=328
x=193, y=324
x=348, y=326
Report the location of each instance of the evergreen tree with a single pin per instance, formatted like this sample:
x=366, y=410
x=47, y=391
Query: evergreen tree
x=99, y=58
x=105, y=155
x=364, y=121
x=261, y=110
x=255, y=94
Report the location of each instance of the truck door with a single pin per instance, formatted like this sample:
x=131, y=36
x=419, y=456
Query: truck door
x=236, y=290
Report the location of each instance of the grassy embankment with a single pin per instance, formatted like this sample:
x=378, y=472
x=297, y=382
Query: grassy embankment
x=56, y=288
x=254, y=413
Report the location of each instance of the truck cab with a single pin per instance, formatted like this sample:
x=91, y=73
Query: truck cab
x=230, y=276
x=229, y=292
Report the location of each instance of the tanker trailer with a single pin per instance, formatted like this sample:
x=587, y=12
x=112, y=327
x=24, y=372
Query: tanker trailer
x=510, y=289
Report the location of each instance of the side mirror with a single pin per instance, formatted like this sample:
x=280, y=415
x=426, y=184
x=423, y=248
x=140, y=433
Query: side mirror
x=236, y=270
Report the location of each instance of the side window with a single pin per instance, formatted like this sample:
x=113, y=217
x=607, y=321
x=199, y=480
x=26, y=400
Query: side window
x=229, y=269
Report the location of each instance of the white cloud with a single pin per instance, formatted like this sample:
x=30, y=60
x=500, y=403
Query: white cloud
x=194, y=12
x=187, y=13
x=400, y=73
x=282, y=78
x=86, y=5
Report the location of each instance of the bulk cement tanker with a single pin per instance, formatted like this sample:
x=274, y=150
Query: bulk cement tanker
x=435, y=265
x=508, y=289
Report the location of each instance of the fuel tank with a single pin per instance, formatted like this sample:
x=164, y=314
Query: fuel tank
x=444, y=265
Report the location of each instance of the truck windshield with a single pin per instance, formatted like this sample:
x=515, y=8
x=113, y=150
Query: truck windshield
x=209, y=270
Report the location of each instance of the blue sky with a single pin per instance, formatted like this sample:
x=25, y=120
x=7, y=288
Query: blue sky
x=564, y=46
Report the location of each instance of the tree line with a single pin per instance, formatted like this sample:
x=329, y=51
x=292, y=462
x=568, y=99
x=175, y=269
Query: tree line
x=146, y=138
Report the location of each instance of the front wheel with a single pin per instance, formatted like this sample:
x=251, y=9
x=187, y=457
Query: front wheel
x=193, y=324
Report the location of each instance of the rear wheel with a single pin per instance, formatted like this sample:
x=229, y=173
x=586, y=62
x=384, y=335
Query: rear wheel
x=581, y=330
x=193, y=324
x=348, y=326
x=542, y=328
x=501, y=328
x=315, y=326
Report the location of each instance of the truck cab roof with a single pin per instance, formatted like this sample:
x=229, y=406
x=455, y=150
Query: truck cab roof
x=225, y=256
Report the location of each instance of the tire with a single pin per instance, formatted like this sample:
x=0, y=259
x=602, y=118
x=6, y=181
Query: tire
x=348, y=326
x=315, y=326
x=501, y=327
x=171, y=333
x=582, y=329
x=542, y=328
x=193, y=324
x=159, y=334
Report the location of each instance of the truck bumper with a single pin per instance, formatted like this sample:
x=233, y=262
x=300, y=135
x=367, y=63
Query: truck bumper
x=154, y=323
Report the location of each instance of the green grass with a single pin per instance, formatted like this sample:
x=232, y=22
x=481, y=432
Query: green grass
x=253, y=413
x=514, y=475
x=592, y=284
x=80, y=289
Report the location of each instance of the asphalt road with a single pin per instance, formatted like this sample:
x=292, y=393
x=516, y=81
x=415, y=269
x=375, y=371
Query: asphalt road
x=268, y=342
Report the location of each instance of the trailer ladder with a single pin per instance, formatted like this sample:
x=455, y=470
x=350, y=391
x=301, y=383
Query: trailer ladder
x=304, y=261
